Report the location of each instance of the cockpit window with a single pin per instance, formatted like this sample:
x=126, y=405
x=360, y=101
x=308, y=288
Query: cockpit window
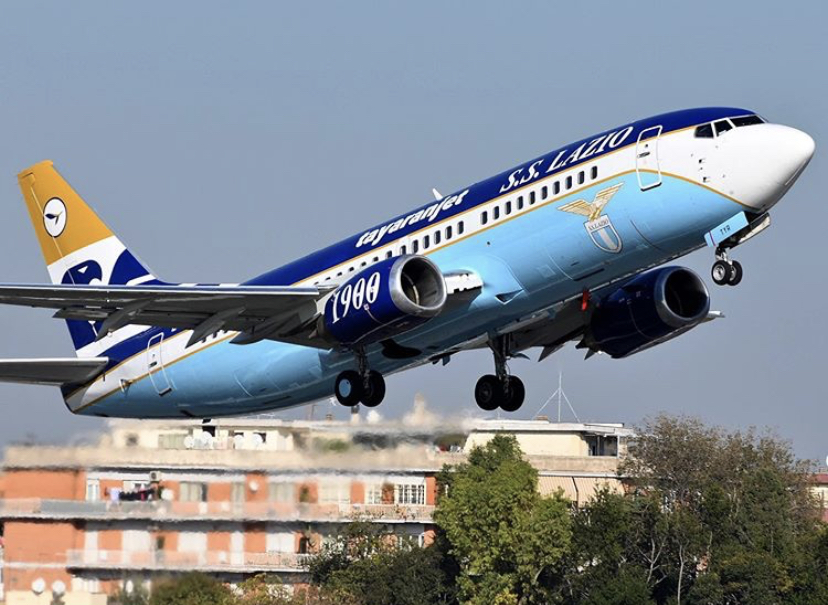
x=746, y=121
x=705, y=131
x=723, y=126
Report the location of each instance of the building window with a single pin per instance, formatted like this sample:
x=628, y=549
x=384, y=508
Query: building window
x=334, y=492
x=373, y=493
x=281, y=492
x=460, y=228
x=192, y=492
x=409, y=494
x=238, y=492
x=93, y=490
x=594, y=173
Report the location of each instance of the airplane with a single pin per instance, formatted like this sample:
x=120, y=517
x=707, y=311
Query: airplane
x=568, y=247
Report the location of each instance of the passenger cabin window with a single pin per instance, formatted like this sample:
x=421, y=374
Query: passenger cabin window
x=569, y=182
x=448, y=232
x=556, y=188
x=403, y=250
x=593, y=174
x=581, y=177
x=484, y=217
x=415, y=246
x=705, y=131
x=509, y=207
x=437, y=236
x=746, y=121
x=544, y=192
x=460, y=228
x=426, y=242
x=531, y=197
x=723, y=126
x=520, y=203
x=389, y=254
x=496, y=213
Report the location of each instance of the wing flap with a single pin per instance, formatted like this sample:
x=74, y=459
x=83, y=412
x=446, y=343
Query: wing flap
x=203, y=309
x=53, y=372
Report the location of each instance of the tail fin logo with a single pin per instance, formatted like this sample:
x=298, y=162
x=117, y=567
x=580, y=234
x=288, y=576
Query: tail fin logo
x=54, y=216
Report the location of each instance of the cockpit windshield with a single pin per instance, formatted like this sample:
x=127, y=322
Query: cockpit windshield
x=706, y=131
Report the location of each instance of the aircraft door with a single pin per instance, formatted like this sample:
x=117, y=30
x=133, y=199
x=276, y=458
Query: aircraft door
x=647, y=164
x=155, y=365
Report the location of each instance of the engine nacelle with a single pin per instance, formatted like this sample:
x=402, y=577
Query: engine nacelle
x=388, y=298
x=649, y=309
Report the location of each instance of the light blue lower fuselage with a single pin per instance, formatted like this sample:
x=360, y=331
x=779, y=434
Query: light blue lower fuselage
x=544, y=255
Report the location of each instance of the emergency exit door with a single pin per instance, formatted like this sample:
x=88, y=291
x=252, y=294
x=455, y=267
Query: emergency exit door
x=647, y=164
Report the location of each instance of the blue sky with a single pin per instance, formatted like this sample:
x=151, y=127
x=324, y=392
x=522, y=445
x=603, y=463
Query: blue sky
x=222, y=139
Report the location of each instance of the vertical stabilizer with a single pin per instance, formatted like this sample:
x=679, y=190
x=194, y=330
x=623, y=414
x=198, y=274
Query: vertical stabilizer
x=77, y=245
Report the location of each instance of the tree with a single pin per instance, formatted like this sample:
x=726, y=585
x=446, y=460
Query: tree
x=368, y=565
x=191, y=589
x=730, y=515
x=508, y=540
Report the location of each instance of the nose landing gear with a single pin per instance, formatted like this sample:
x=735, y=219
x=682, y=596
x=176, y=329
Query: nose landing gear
x=364, y=386
x=726, y=272
x=500, y=390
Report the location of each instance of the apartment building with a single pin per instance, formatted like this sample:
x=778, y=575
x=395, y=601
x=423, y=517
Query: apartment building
x=238, y=497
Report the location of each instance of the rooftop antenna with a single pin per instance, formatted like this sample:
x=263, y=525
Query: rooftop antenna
x=560, y=396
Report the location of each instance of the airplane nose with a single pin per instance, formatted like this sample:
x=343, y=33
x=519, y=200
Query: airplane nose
x=796, y=148
x=761, y=162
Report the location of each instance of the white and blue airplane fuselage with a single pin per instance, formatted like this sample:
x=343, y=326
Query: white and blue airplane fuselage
x=559, y=248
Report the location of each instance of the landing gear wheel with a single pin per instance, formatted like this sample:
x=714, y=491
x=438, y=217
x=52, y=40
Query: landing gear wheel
x=721, y=272
x=488, y=393
x=513, y=398
x=374, y=392
x=348, y=388
x=736, y=273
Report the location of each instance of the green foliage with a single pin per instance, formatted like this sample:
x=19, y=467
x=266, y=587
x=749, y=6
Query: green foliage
x=138, y=596
x=191, y=589
x=367, y=565
x=509, y=541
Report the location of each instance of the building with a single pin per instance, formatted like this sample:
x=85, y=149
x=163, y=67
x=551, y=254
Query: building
x=238, y=497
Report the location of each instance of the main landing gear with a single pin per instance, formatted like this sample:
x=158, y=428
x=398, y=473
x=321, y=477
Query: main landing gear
x=500, y=390
x=363, y=386
x=726, y=272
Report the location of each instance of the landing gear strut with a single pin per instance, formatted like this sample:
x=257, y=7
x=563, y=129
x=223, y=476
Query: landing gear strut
x=363, y=386
x=726, y=271
x=500, y=390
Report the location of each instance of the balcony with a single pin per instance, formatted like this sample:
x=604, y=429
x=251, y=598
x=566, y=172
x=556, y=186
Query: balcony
x=206, y=561
x=160, y=510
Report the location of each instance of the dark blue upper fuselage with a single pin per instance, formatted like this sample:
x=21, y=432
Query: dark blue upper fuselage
x=484, y=191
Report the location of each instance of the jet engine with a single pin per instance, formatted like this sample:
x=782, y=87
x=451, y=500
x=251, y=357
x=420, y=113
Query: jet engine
x=649, y=309
x=386, y=299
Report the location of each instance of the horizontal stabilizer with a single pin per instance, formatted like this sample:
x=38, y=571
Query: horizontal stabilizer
x=54, y=372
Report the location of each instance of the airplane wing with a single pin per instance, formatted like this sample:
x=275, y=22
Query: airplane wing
x=257, y=311
x=53, y=372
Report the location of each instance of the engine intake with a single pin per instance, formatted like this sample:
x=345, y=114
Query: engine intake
x=386, y=299
x=649, y=309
